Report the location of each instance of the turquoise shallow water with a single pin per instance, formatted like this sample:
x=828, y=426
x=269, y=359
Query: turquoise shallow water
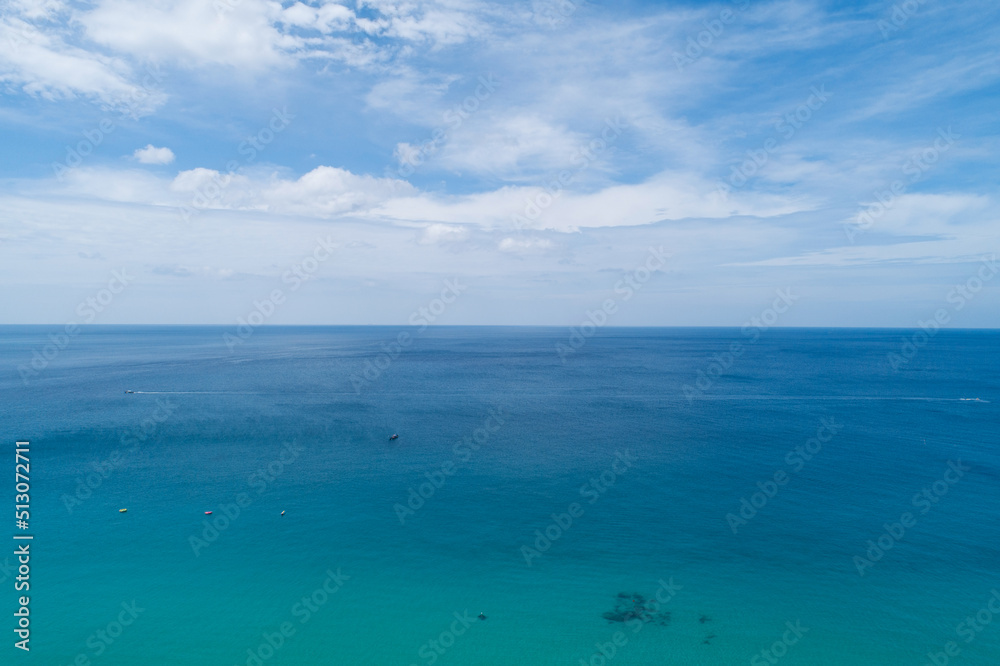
x=400, y=585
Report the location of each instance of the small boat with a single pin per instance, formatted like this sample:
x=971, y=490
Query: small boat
x=122, y=510
x=282, y=513
x=208, y=513
x=129, y=391
x=394, y=436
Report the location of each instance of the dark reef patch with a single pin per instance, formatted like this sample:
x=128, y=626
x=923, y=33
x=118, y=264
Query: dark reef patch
x=634, y=606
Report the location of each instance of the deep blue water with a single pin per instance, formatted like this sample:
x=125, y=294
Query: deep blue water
x=215, y=420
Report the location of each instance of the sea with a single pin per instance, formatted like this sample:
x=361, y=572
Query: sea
x=623, y=496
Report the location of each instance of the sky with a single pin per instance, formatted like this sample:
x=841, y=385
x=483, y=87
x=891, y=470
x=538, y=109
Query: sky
x=522, y=163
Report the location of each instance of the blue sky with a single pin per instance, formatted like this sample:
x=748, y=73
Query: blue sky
x=204, y=147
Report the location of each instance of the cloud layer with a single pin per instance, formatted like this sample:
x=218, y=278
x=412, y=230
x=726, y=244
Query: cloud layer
x=534, y=145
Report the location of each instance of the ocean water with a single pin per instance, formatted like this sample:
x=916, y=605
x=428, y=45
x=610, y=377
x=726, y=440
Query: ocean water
x=629, y=455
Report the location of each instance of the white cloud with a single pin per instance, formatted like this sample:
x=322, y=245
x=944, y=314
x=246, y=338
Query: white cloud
x=510, y=145
x=410, y=95
x=35, y=57
x=524, y=245
x=104, y=51
x=321, y=193
x=102, y=184
x=153, y=155
x=436, y=23
x=330, y=17
x=190, y=32
x=918, y=228
x=330, y=192
x=258, y=35
x=326, y=191
x=924, y=214
x=443, y=233
x=667, y=196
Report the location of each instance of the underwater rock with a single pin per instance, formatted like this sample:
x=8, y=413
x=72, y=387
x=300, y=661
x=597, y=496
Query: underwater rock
x=635, y=607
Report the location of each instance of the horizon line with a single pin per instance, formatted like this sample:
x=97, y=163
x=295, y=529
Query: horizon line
x=539, y=326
